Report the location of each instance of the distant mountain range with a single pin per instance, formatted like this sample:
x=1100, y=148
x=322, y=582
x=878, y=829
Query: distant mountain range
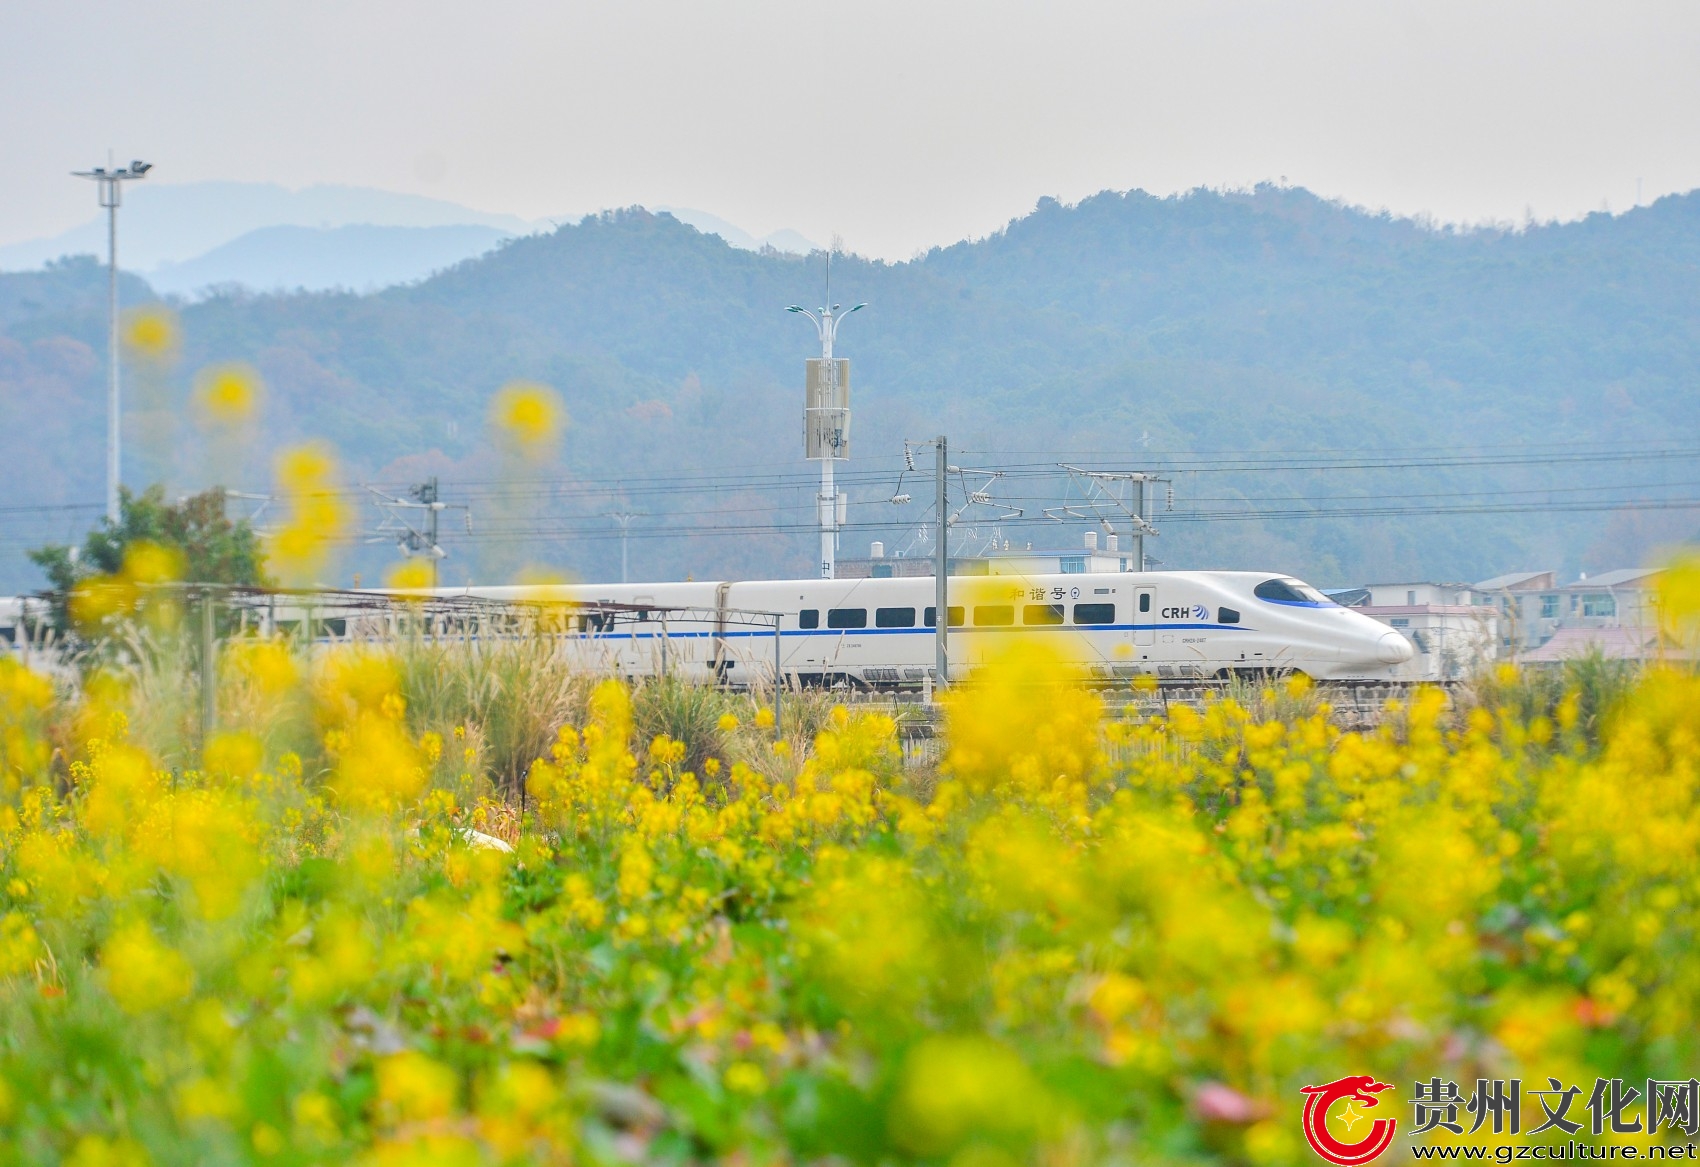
x=1196, y=335
x=786, y=240
x=172, y=223
x=358, y=258
x=187, y=237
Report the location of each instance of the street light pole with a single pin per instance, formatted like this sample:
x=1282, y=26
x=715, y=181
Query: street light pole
x=826, y=323
x=110, y=181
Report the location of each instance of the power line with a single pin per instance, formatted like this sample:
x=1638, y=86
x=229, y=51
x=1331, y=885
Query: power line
x=760, y=476
x=769, y=515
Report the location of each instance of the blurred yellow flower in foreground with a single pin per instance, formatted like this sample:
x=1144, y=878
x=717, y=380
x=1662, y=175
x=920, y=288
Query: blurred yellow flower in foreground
x=145, y=563
x=1092, y=935
x=19, y=946
x=412, y=1087
x=143, y=974
x=1679, y=599
x=267, y=664
x=315, y=515
x=954, y=1088
x=409, y=575
x=227, y=395
x=528, y=417
x=150, y=563
x=1012, y=740
x=151, y=331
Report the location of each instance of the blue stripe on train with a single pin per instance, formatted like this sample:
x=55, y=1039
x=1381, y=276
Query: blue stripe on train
x=767, y=633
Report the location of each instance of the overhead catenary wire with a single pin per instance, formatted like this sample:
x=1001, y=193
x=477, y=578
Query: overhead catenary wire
x=688, y=484
x=770, y=497
x=592, y=533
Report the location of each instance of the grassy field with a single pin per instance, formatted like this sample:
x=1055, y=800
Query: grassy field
x=441, y=905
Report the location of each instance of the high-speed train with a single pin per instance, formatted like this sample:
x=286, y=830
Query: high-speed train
x=1172, y=625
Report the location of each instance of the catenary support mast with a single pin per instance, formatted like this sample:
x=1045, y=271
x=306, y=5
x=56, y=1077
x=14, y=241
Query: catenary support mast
x=941, y=567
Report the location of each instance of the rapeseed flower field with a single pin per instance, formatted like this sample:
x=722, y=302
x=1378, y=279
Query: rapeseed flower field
x=376, y=918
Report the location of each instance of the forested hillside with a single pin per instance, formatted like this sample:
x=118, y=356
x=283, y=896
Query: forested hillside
x=1147, y=332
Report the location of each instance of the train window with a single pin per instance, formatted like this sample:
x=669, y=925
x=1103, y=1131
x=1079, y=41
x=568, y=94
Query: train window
x=1288, y=591
x=994, y=615
x=1144, y=601
x=808, y=618
x=1227, y=616
x=894, y=617
x=846, y=617
x=957, y=617
x=1042, y=614
x=1094, y=613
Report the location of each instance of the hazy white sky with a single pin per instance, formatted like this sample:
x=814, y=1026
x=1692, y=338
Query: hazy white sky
x=896, y=125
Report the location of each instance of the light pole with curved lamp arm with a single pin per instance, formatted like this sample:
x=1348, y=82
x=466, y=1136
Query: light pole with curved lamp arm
x=826, y=322
x=111, y=181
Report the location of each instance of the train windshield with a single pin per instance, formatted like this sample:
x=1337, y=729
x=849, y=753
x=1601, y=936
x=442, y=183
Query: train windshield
x=1290, y=591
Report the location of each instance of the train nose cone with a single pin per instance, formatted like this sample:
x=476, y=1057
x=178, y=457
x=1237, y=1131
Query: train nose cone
x=1393, y=649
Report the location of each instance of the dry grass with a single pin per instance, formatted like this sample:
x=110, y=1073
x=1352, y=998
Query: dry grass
x=514, y=694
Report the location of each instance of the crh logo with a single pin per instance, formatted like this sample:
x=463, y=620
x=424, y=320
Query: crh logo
x=1359, y=1088
x=1196, y=612
x=1200, y=612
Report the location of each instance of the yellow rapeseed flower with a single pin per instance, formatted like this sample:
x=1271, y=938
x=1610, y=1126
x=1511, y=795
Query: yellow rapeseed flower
x=20, y=948
x=228, y=395
x=409, y=575
x=743, y=1077
x=146, y=562
x=315, y=516
x=99, y=1151
x=1679, y=600
x=143, y=973
x=955, y=1089
x=151, y=331
x=1022, y=727
x=527, y=418
x=413, y=1088
x=268, y=664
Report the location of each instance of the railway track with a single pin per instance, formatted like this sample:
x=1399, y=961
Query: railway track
x=1352, y=707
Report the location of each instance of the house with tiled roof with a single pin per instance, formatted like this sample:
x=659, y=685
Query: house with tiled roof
x=1613, y=613
x=1530, y=605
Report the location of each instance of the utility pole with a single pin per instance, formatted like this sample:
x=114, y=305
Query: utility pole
x=941, y=567
x=110, y=180
x=826, y=419
x=624, y=518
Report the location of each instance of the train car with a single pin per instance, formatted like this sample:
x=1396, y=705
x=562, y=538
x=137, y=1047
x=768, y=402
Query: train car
x=1174, y=626
x=23, y=619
